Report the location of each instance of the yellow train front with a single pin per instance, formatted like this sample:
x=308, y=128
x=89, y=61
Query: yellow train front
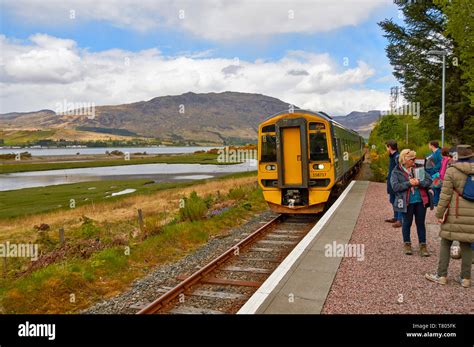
x=302, y=156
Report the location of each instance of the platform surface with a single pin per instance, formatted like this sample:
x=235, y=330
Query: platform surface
x=302, y=282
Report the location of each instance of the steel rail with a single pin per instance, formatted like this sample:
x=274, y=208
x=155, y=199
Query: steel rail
x=181, y=287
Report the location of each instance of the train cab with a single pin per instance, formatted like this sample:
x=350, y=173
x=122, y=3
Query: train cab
x=298, y=161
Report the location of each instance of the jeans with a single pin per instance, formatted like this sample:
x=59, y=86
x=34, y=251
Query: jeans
x=437, y=193
x=419, y=211
x=397, y=215
x=445, y=256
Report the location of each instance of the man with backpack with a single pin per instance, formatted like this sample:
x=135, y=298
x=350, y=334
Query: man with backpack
x=455, y=212
x=393, y=154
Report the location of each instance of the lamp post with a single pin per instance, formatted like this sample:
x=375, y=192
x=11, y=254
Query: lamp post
x=442, y=115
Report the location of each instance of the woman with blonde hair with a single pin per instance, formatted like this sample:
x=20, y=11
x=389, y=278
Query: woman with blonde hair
x=411, y=198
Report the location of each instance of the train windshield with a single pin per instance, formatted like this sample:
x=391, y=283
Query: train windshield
x=268, y=148
x=318, y=147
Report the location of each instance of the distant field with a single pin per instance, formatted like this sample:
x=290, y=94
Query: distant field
x=195, y=158
x=123, y=132
x=29, y=201
x=18, y=137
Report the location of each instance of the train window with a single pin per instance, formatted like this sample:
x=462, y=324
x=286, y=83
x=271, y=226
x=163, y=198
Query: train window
x=268, y=128
x=318, y=146
x=268, y=149
x=316, y=126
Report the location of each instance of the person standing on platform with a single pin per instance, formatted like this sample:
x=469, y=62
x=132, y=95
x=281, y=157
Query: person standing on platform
x=392, y=149
x=435, y=160
x=455, y=213
x=445, y=162
x=411, y=198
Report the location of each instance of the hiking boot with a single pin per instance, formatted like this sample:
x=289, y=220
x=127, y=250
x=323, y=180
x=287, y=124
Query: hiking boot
x=407, y=248
x=424, y=251
x=466, y=283
x=397, y=224
x=437, y=279
x=391, y=220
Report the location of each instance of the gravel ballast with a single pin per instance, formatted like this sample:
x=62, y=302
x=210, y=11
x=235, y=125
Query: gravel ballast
x=145, y=289
x=388, y=281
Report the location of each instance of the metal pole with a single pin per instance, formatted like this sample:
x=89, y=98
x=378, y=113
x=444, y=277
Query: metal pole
x=442, y=100
x=407, y=134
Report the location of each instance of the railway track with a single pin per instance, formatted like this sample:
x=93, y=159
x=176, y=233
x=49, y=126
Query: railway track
x=228, y=281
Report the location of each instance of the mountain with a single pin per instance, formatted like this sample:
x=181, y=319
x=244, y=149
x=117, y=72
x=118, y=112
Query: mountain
x=227, y=117
x=362, y=122
x=210, y=117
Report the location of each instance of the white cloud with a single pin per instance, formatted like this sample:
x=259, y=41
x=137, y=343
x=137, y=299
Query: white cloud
x=50, y=60
x=211, y=19
x=48, y=70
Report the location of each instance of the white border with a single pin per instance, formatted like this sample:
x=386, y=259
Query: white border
x=257, y=299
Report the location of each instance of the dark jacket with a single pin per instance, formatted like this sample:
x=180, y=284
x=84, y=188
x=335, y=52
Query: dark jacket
x=400, y=183
x=460, y=222
x=392, y=164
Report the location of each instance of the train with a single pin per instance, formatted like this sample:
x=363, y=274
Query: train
x=303, y=156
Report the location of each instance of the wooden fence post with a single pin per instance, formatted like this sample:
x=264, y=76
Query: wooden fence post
x=140, y=219
x=5, y=266
x=61, y=237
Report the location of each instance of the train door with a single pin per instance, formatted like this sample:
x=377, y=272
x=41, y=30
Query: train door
x=291, y=142
x=292, y=153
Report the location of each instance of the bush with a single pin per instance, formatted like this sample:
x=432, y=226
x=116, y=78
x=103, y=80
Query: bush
x=238, y=193
x=45, y=241
x=209, y=200
x=23, y=155
x=88, y=228
x=195, y=208
x=116, y=152
x=379, y=166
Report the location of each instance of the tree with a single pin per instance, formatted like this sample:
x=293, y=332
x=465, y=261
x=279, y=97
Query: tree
x=424, y=29
x=460, y=26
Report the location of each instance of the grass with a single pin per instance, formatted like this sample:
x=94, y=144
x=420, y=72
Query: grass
x=76, y=281
x=195, y=158
x=30, y=201
x=18, y=137
x=165, y=198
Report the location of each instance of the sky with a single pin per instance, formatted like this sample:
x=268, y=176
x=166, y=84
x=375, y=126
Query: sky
x=317, y=54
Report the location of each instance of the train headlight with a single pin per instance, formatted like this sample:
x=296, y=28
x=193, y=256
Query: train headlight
x=318, y=166
x=270, y=167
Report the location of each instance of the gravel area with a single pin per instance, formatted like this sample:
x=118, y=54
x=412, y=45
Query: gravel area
x=387, y=281
x=247, y=259
x=146, y=288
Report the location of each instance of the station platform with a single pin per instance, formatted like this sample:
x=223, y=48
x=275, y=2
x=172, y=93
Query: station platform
x=352, y=262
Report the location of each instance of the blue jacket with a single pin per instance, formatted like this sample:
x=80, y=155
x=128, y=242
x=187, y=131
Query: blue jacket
x=437, y=160
x=393, y=163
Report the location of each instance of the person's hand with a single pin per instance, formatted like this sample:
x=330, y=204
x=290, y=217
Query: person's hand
x=414, y=181
x=440, y=221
